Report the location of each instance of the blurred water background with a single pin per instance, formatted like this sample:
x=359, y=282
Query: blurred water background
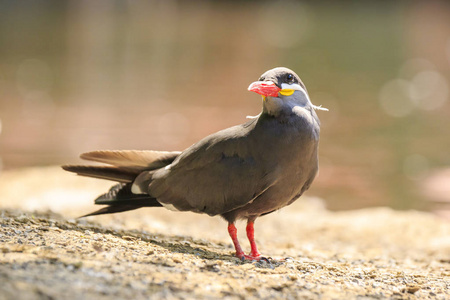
x=82, y=75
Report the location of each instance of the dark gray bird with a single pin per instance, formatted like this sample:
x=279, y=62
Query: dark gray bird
x=242, y=172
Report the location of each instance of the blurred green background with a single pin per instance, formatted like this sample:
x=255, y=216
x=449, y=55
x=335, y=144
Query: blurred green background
x=84, y=75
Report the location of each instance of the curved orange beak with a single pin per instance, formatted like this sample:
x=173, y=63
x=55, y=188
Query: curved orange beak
x=265, y=88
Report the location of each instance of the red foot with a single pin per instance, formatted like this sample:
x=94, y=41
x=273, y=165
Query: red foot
x=250, y=257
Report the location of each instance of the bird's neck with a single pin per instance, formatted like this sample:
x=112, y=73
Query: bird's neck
x=295, y=114
x=275, y=107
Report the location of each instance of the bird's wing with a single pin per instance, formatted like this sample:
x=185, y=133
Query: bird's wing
x=216, y=175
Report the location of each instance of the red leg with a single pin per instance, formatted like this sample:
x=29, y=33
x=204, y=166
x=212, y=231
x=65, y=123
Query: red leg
x=251, y=238
x=233, y=234
x=254, y=254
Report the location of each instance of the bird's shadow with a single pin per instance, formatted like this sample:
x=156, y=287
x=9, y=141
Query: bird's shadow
x=200, y=248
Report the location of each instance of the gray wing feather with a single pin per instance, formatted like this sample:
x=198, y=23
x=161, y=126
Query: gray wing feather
x=213, y=176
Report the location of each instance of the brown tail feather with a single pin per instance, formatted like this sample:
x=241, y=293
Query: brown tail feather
x=124, y=167
x=103, y=172
x=125, y=164
x=132, y=159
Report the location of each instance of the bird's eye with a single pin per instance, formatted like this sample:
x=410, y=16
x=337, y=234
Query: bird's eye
x=290, y=77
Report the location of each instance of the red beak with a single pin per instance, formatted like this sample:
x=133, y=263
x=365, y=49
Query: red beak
x=265, y=88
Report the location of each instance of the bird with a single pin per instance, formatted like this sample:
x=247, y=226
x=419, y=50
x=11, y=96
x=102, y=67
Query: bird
x=240, y=173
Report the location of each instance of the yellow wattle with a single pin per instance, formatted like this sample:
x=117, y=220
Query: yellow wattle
x=286, y=92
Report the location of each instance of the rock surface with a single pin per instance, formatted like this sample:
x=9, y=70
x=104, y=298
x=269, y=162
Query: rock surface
x=152, y=253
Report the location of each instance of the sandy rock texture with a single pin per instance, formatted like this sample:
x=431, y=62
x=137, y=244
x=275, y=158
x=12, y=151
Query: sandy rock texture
x=45, y=253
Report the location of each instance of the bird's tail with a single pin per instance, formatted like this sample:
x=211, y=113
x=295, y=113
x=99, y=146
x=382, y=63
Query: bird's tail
x=120, y=198
x=123, y=167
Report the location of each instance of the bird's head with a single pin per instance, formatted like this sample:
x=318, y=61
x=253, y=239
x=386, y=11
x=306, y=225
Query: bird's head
x=282, y=89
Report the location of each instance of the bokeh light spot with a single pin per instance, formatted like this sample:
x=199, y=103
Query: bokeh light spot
x=394, y=98
x=429, y=90
x=413, y=66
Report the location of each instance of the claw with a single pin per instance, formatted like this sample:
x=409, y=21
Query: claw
x=265, y=259
x=251, y=257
